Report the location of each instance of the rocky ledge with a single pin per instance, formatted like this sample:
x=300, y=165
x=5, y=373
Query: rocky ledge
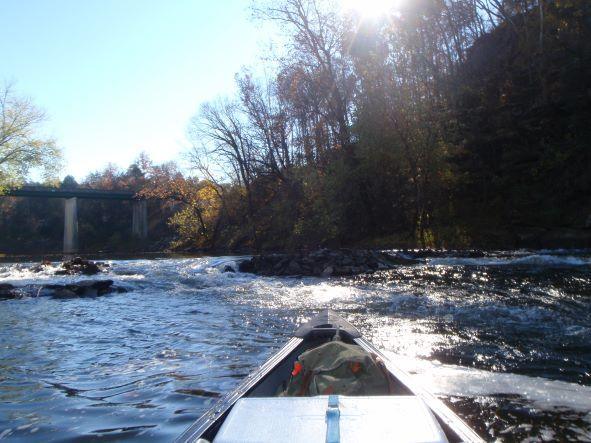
x=85, y=288
x=323, y=263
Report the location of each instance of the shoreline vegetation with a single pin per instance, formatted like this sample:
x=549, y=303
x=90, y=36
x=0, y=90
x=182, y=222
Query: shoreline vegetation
x=459, y=124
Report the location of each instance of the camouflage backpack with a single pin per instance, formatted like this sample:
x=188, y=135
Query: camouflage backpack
x=338, y=368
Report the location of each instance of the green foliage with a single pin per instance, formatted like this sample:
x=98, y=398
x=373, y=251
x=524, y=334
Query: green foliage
x=187, y=227
x=22, y=146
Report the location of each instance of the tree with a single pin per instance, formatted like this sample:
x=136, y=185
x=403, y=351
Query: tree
x=22, y=146
x=220, y=133
x=197, y=221
x=317, y=59
x=69, y=182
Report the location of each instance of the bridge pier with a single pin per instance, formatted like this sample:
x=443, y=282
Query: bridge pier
x=139, y=220
x=71, y=225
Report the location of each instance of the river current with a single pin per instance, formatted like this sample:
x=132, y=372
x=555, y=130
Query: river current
x=504, y=338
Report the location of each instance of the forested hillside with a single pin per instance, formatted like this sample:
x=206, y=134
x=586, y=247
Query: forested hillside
x=446, y=123
x=524, y=107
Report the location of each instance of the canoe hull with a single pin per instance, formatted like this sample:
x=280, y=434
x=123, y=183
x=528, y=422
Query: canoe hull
x=320, y=329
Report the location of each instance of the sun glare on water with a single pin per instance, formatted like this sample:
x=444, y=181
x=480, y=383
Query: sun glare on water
x=370, y=8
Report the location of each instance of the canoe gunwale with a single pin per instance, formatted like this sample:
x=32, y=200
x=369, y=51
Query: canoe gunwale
x=203, y=423
x=443, y=412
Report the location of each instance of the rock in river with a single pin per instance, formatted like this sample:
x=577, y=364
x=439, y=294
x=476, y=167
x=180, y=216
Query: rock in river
x=80, y=266
x=86, y=288
x=323, y=262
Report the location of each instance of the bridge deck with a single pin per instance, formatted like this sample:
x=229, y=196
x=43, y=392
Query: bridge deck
x=47, y=192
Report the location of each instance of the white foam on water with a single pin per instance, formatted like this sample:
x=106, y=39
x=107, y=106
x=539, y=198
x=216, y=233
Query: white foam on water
x=451, y=380
x=325, y=293
x=22, y=274
x=527, y=260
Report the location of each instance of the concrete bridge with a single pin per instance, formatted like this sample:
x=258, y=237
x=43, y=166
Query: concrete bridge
x=139, y=220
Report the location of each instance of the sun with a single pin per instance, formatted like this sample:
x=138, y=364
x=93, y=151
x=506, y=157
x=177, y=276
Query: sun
x=370, y=8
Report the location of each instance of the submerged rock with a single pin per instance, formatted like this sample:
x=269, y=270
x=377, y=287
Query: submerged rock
x=86, y=288
x=8, y=291
x=323, y=262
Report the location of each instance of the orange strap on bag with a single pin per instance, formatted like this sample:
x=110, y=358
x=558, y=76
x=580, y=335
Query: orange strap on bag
x=297, y=368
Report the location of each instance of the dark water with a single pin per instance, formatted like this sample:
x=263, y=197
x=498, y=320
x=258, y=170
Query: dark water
x=504, y=338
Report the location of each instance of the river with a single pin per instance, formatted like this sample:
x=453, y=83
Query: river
x=503, y=337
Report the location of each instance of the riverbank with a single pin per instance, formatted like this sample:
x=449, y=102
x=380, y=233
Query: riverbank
x=533, y=238
x=453, y=238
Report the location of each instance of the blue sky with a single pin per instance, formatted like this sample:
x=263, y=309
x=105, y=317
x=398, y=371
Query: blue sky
x=117, y=77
